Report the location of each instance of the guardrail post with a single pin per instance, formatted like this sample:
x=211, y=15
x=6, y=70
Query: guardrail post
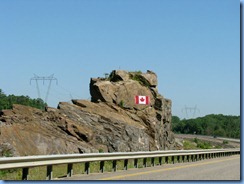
x=25, y=173
x=197, y=157
x=152, y=162
x=188, y=158
x=183, y=158
x=114, y=165
x=144, y=162
x=160, y=160
x=166, y=160
x=136, y=163
x=87, y=167
x=126, y=164
x=102, y=166
x=49, y=172
x=70, y=170
x=178, y=159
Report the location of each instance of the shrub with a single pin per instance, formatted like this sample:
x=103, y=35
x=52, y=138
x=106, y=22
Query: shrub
x=225, y=142
x=121, y=104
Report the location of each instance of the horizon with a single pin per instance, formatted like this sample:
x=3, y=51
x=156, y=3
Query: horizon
x=172, y=114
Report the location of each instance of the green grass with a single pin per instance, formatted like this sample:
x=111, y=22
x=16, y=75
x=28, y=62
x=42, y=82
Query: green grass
x=196, y=144
x=189, y=145
x=11, y=174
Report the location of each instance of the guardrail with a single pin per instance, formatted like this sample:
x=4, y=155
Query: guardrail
x=49, y=160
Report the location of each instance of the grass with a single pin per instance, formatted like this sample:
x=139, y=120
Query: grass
x=11, y=174
x=196, y=144
x=137, y=77
x=189, y=145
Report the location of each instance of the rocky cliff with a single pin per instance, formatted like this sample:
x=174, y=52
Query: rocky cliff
x=110, y=122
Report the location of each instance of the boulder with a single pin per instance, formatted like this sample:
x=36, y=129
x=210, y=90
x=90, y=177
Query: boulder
x=110, y=122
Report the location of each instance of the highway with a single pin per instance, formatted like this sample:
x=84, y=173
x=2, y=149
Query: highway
x=223, y=168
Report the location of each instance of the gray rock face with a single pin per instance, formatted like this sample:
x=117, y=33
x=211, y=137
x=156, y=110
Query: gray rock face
x=110, y=122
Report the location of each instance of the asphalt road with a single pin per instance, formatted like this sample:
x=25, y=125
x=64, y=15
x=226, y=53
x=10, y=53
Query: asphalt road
x=223, y=168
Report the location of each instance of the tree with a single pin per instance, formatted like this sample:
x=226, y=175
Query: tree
x=6, y=102
x=213, y=124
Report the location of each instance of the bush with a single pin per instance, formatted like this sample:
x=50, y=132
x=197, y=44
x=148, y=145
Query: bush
x=121, y=104
x=204, y=145
x=225, y=142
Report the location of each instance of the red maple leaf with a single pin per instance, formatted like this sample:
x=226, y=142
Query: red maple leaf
x=142, y=99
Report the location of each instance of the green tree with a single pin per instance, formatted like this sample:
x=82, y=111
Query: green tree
x=6, y=102
x=213, y=124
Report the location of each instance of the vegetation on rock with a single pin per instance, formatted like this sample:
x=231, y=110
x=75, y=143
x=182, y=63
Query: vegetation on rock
x=136, y=76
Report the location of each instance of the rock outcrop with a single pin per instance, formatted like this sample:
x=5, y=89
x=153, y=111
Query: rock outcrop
x=110, y=122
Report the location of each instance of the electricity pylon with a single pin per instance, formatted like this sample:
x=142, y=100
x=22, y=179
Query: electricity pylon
x=38, y=78
x=192, y=110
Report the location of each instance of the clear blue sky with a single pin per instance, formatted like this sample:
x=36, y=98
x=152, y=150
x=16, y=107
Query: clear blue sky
x=192, y=45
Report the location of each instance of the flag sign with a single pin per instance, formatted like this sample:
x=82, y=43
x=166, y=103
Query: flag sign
x=142, y=100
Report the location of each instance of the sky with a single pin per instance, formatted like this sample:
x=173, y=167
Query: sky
x=192, y=45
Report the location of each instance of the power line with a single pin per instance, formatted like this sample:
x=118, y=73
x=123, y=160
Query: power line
x=38, y=78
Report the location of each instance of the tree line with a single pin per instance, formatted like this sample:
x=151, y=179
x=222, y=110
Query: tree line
x=7, y=101
x=213, y=125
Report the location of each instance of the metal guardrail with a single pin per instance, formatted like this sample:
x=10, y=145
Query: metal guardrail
x=49, y=160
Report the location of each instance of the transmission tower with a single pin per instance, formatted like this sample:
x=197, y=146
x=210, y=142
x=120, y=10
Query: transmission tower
x=43, y=79
x=191, y=110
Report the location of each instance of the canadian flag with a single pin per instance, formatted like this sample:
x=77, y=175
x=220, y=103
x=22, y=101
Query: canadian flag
x=142, y=100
